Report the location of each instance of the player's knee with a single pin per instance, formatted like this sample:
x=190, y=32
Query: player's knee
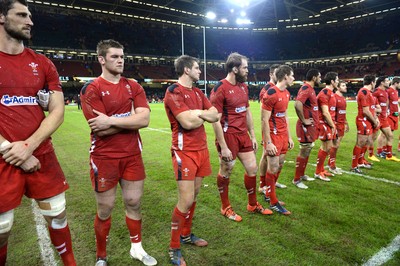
x=305, y=148
x=133, y=203
x=53, y=206
x=6, y=221
x=58, y=223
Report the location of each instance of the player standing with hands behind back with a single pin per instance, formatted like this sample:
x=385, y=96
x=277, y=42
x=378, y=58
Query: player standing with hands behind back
x=116, y=108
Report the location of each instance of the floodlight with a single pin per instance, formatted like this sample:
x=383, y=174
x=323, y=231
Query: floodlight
x=211, y=15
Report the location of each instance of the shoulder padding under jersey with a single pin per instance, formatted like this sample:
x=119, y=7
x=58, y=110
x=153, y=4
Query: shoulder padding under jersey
x=217, y=86
x=364, y=91
x=173, y=87
x=325, y=91
x=83, y=90
x=271, y=91
x=304, y=87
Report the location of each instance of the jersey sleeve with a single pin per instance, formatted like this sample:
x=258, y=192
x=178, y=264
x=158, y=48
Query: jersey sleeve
x=175, y=102
x=363, y=98
x=269, y=100
x=217, y=98
x=323, y=98
x=139, y=99
x=302, y=95
x=91, y=100
x=52, y=78
x=206, y=103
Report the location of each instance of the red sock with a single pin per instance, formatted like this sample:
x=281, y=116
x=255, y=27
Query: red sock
x=270, y=179
x=356, y=154
x=301, y=164
x=101, y=230
x=379, y=150
x=250, y=182
x=178, y=219
x=223, y=188
x=3, y=255
x=187, y=227
x=384, y=148
x=361, y=156
x=61, y=239
x=389, y=151
x=262, y=181
x=320, y=161
x=371, y=150
x=135, y=229
x=332, y=157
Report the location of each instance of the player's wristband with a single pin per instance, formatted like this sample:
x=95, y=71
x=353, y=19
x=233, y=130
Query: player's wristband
x=2, y=145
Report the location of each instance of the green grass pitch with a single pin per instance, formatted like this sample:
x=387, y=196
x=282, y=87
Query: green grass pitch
x=344, y=222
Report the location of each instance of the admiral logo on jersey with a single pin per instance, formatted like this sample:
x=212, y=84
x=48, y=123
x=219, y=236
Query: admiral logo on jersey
x=8, y=100
x=240, y=109
x=104, y=93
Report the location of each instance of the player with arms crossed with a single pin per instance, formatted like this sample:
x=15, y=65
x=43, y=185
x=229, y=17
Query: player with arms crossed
x=235, y=135
x=263, y=161
x=275, y=124
x=29, y=165
x=187, y=109
x=341, y=127
x=307, y=132
x=116, y=108
x=366, y=121
x=385, y=137
x=326, y=125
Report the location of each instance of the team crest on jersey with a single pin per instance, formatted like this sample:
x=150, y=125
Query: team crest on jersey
x=34, y=68
x=8, y=100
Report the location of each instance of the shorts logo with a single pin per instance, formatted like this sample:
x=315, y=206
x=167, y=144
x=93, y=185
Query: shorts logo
x=342, y=112
x=315, y=108
x=333, y=108
x=34, y=68
x=102, y=182
x=186, y=171
x=8, y=100
x=280, y=114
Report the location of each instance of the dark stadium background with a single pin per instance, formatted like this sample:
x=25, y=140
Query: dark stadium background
x=351, y=38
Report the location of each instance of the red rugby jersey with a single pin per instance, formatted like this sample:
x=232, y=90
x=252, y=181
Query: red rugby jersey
x=265, y=88
x=276, y=101
x=113, y=100
x=232, y=101
x=308, y=98
x=326, y=97
x=393, y=97
x=364, y=99
x=382, y=97
x=177, y=100
x=21, y=77
x=341, y=106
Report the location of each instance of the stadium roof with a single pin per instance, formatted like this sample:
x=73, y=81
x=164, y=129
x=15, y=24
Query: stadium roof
x=261, y=13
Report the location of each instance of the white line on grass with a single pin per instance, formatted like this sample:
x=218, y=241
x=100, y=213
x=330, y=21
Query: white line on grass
x=46, y=251
x=362, y=175
x=385, y=254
